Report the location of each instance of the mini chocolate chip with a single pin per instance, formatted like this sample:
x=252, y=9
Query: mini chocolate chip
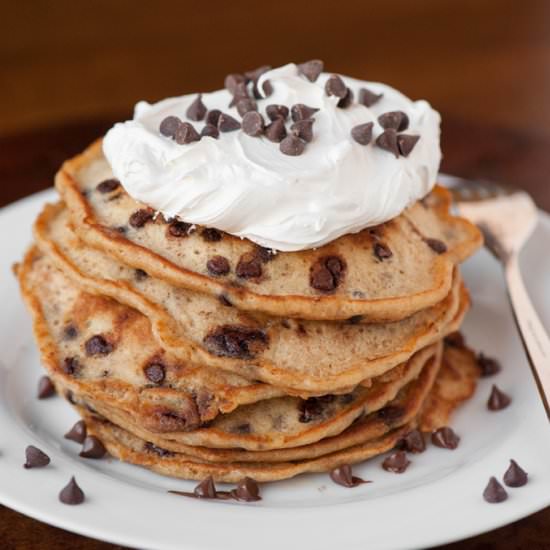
x=445, y=438
x=312, y=409
x=367, y=97
x=253, y=124
x=487, y=365
x=406, y=143
x=217, y=266
x=439, y=247
x=45, y=388
x=169, y=126
x=247, y=490
x=327, y=273
x=387, y=140
x=249, y=266
x=346, y=101
x=70, y=332
x=311, y=69
x=186, y=134
x=382, y=251
x=92, y=448
x=77, y=433
x=515, y=476
x=301, y=112
x=303, y=129
x=35, y=458
x=494, y=492
x=396, y=463
x=226, y=123
x=498, y=400
x=362, y=133
x=205, y=489
x=155, y=372
x=244, y=428
x=236, y=341
x=210, y=131
x=224, y=300
x=343, y=476
x=391, y=413
x=179, y=229
x=276, y=111
x=197, y=110
x=396, y=120
x=335, y=86
x=211, y=235
x=246, y=105
x=140, y=217
x=265, y=254
x=70, y=365
x=267, y=90
x=140, y=275
x=98, y=345
x=212, y=117
x=276, y=131
x=72, y=494
x=413, y=442
x=149, y=447
x=121, y=229
x=455, y=340
x=354, y=319
x=292, y=146
x=69, y=396
x=233, y=81
x=107, y=186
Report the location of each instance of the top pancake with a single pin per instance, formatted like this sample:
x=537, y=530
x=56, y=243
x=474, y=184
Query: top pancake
x=350, y=275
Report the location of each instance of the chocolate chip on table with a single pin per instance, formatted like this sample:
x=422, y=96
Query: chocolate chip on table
x=218, y=266
x=276, y=111
x=45, y=388
x=70, y=365
x=494, y=492
x=197, y=110
x=211, y=235
x=445, y=438
x=209, y=130
x=343, y=475
x=438, y=246
x=301, y=112
x=205, y=489
x=155, y=372
x=455, y=339
x=253, y=124
x=72, y=494
x=487, y=365
x=226, y=123
x=98, y=345
x=140, y=275
x=368, y=97
x=249, y=266
x=396, y=120
x=327, y=273
x=335, y=86
x=107, y=186
x=247, y=490
x=382, y=251
x=179, y=229
x=236, y=341
x=303, y=129
x=169, y=126
x=292, y=146
x=186, y=134
x=311, y=69
x=362, y=133
x=396, y=463
x=276, y=131
x=77, y=433
x=498, y=400
x=246, y=105
x=387, y=140
x=140, y=217
x=346, y=101
x=35, y=458
x=406, y=143
x=92, y=448
x=413, y=442
x=515, y=476
x=212, y=117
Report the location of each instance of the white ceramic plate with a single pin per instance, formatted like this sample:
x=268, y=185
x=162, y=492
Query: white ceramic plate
x=437, y=500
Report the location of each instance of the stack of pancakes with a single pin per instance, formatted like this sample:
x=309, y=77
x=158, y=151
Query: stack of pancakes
x=195, y=353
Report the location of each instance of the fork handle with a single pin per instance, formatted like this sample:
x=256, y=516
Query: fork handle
x=534, y=336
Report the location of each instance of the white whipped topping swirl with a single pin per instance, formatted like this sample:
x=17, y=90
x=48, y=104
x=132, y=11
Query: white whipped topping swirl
x=245, y=186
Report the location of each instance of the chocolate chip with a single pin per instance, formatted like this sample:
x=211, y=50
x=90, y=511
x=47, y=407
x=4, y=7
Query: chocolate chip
x=312, y=409
x=92, y=448
x=69, y=396
x=406, y=143
x=487, y=365
x=226, y=123
x=98, y=345
x=354, y=319
x=455, y=340
x=71, y=494
x=498, y=400
x=515, y=476
x=70, y=332
x=45, y=388
x=149, y=447
x=155, y=372
x=311, y=69
x=244, y=428
x=346, y=101
x=107, y=186
x=212, y=117
x=236, y=341
x=186, y=418
x=179, y=229
x=292, y=146
x=387, y=140
x=70, y=365
x=396, y=463
x=77, y=433
x=35, y=458
x=303, y=129
x=186, y=134
x=265, y=254
x=205, y=489
x=247, y=490
x=169, y=126
x=224, y=300
x=197, y=110
x=217, y=266
x=367, y=97
x=121, y=229
x=494, y=492
x=343, y=476
x=140, y=217
x=210, y=131
x=362, y=133
x=249, y=266
x=327, y=273
x=140, y=275
x=253, y=124
x=267, y=90
x=391, y=413
x=234, y=81
x=302, y=112
x=382, y=251
x=276, y=111
x=439, y=247
x=396, y=120
x=211, y=235
x=413, y=442
x=445, y=438
x=246, y=105
x=276, y=131
x=335, y=86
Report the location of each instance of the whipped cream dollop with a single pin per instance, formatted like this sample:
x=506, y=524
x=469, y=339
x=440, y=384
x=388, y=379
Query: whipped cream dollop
x=245, y=186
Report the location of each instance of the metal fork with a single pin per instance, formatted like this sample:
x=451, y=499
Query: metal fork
x=507, y=218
